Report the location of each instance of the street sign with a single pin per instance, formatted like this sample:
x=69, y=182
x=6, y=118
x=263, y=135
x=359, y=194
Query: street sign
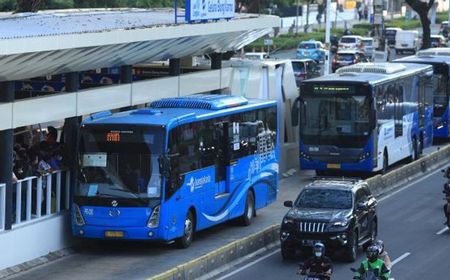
x=268, y=42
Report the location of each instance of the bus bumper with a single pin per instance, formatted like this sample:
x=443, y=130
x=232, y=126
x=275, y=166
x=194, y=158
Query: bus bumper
x=364, y=165
x=128, y=233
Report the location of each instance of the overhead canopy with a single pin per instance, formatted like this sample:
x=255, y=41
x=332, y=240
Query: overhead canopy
x=44, y=43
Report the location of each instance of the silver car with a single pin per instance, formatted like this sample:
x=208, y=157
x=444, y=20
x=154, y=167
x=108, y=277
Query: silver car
x=367, y=47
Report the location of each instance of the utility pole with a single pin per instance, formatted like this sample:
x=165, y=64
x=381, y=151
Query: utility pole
x=327, y=38
x=296, y=21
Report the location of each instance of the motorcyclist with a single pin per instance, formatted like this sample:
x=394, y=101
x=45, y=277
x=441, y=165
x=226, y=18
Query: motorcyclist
x=318, y=263
x=383, y=254
x=446, y=192
x=373, y=263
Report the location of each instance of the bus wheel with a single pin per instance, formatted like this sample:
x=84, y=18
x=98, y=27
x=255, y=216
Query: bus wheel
x=249, y=212
x=188, y=232
x=415, y=154
x=385, y=163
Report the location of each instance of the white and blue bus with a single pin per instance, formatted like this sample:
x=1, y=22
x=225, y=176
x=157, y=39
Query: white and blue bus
x=365, y=117
x=182, y=165
x=441, y=94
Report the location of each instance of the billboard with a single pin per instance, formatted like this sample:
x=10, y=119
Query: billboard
x=198, y=10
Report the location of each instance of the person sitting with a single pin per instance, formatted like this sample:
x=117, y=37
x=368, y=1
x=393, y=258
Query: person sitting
x=383, y=254
x=372, y=264
x=318, y=264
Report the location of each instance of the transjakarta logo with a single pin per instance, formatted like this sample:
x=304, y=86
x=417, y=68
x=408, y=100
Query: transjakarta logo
x=195, y=183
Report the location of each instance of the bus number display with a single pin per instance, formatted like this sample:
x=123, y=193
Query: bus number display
x=113, y=136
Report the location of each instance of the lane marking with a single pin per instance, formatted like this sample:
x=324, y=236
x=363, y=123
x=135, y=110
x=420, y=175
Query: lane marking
x=249, y=264
x=410, y=185
x=399, y=259
x=442, y=231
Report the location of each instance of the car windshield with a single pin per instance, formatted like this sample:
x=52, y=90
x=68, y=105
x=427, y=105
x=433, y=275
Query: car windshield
x=307, y=46
x=298, y=66
x=324, y=198
x=348, y=40
x=345, y=57
x=435, y=39
x=120, y=162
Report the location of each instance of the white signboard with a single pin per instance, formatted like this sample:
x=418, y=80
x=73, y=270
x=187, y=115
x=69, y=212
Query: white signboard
x=198, y=10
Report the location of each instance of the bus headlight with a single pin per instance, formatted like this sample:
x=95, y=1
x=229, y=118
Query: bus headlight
x=364, y=156
x=305, y=155
x=153, y=221
x=78, y=218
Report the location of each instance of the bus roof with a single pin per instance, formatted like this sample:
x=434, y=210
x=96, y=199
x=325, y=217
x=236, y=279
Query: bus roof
x=371, y=73
x=178, y=110
x=424, y=59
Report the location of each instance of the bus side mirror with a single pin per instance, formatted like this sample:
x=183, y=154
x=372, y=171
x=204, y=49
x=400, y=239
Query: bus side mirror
x=164, y=166
x=295, y=111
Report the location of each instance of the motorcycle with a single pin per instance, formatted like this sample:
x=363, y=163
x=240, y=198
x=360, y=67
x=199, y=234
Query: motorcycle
x=369, y=275
x=316, y=276
x=446, y=192
x=313, y=275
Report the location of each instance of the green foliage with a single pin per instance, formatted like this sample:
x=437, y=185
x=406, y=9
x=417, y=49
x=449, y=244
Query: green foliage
x=404, y=24
x=7, y=5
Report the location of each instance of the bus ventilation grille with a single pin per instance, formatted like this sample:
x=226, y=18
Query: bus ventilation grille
x=434, y=52
x=381, y=68
x=201, y=101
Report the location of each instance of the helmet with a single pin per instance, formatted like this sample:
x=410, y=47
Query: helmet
x=380, y=245
x=372, y=253
x=319, y=249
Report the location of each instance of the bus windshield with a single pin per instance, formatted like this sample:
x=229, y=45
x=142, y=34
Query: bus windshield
x=340, y=120
x=120, y=162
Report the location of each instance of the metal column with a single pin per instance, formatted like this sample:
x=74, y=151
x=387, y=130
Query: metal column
x=216, y=61
x=71, y=127
x=175, y=67
x=6, y=154
x=126, y=74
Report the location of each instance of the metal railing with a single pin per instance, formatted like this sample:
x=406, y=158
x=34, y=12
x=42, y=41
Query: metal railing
x=37, y=197
x=2, y=206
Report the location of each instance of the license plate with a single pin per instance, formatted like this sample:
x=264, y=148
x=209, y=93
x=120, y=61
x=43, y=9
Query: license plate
x=114, y=234
x=308, y=242
x=404, y=45
x=311, y=278
x=333, y=166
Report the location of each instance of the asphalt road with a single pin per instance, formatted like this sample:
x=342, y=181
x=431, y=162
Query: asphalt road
x=410, y=224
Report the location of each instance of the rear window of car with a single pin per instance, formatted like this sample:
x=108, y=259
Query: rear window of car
x=368, y=42
x=345, y=57
x=298, y=66
x=348, y=40
x=307, y=46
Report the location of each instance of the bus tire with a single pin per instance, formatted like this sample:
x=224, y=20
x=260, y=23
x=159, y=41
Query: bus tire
x=415, y=154
x=188, y=232
x=385, y=163
x=249, y=211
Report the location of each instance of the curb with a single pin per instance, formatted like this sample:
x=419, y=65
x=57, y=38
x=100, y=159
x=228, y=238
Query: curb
x=220, y=257
x=379, y=185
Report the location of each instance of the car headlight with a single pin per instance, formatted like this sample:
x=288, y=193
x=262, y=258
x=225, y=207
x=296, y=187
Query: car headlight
x=288, y=220
x=342, y=223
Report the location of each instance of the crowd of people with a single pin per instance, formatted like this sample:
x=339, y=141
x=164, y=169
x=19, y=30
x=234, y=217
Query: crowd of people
x=39, y=158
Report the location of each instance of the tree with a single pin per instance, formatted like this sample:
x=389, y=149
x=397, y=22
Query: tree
x=24, y=6
x=422, y=9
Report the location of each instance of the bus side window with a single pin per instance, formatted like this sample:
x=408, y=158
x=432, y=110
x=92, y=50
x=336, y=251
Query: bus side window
x=174, y=182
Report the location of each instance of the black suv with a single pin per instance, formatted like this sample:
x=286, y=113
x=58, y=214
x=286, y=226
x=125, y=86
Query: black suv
x=341, y=213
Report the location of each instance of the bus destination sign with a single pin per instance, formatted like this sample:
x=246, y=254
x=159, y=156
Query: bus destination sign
x=333, y=89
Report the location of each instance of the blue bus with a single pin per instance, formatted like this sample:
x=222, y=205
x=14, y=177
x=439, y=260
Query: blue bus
x=179, y=166
x=365, y=117
x=441, y=94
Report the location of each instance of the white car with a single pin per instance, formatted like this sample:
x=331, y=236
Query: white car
x=368, y=48
x=407, y=40
x=350, y=42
